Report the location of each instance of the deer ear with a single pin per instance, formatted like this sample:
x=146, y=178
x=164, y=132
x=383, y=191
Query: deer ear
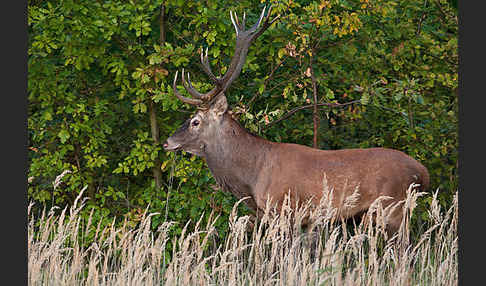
x=220, y=106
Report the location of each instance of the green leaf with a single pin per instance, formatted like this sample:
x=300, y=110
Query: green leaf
x=329, y=94
x=398, y=96
x=365, y=98
x=420, y=99
x=261, y=88
x=143, y=107
x=47, y=116
x=63, y=135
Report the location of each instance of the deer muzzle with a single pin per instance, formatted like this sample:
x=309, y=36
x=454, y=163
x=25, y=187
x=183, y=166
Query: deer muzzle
x=170, y=146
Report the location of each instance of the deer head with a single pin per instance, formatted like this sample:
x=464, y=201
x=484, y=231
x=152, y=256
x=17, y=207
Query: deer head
x=194, y=135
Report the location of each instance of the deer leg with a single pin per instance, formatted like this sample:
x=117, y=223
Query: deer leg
x=394, y=221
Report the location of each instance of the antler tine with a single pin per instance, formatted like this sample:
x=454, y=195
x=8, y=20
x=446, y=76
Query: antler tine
x=266, y=23
x=257, y=24
x=268, y=16
x=183, y=98
x=188, y=86
x=243, y=41
x=207, y=67
x=234, y=23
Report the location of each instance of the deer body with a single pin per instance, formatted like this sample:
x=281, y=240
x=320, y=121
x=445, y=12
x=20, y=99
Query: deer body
x=250, y=166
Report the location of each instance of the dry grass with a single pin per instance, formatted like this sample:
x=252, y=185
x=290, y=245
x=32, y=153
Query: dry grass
x=275, y=251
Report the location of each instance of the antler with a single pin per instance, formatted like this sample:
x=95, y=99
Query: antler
x=243, y=41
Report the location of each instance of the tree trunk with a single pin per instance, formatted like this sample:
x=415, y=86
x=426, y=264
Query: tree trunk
x=315, y=115
x=155, y=136
x=154, y=127
x=162, y=24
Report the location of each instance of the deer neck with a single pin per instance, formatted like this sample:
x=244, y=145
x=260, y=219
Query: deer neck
x=236, y=158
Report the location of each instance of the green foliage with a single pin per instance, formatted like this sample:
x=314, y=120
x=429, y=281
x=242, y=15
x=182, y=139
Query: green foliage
x=95, y=69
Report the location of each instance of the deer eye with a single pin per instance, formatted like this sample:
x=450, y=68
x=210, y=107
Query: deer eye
x=195, y=122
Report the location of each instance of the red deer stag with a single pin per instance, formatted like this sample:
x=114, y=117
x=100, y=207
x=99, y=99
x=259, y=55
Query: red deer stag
x=248, y=165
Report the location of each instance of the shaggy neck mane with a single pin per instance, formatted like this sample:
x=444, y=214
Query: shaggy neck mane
x=236, y=157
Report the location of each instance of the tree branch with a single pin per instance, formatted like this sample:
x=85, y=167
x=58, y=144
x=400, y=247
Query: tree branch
x=265, y=83
x=162, y=23
x=422, y=18
x=290, y=113
x=437, y=2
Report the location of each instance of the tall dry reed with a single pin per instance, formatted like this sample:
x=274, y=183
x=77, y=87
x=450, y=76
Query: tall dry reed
x=273, y=251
